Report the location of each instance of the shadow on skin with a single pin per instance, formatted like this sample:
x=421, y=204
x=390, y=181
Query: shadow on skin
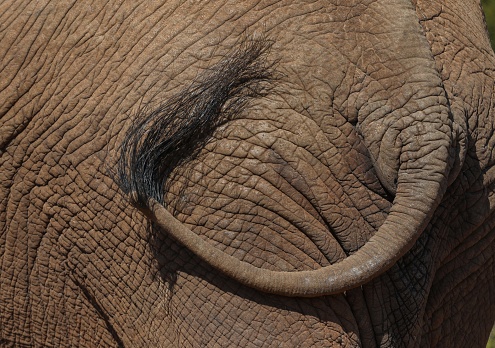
x=172, y=258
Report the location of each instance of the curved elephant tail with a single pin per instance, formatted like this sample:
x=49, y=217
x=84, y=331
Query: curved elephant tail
x=161, y=141
x=404, y=224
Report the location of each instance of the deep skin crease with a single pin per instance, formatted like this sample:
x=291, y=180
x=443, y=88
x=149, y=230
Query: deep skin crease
x=287, y=135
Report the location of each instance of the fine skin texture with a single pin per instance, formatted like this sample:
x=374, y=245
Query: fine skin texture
x=353, y=112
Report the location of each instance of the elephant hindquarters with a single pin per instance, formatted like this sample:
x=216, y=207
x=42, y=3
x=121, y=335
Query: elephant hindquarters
x=420, y=150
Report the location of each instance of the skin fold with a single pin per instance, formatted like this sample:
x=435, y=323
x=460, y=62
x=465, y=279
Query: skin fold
x=289, y=136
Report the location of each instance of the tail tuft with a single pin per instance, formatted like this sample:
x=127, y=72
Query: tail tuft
x=174, y=132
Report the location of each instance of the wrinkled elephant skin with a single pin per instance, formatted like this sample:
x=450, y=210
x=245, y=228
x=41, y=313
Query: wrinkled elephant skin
x=246, y=174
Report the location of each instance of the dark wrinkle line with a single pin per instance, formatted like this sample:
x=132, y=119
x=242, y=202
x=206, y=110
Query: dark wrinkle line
x=173, y=133
x=101, y=312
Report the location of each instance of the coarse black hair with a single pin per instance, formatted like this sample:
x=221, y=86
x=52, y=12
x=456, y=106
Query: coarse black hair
x=174, y=132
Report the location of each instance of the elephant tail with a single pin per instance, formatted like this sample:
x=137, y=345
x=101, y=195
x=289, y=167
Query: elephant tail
x=409, y=215
x=424, y=162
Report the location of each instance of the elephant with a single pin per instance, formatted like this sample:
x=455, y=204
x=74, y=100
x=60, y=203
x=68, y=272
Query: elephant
x=192, y=173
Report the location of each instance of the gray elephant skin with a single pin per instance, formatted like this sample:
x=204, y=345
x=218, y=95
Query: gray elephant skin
x=246, y=174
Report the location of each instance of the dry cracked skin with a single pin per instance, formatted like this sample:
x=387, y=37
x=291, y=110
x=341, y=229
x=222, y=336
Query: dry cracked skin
x=253, y=174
